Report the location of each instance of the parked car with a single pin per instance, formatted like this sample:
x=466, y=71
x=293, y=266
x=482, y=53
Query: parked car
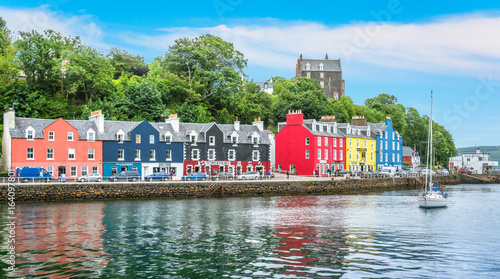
x=195, y=176
x=341, y=172
x=90, y=177
x=442, y=172
x=428, y=172
x=389, y=171
x=248, y=175
x=33, y=174
x=366, y=174
x=163, y=176
x=223, y=176
x=464, y=171
x=125, y=176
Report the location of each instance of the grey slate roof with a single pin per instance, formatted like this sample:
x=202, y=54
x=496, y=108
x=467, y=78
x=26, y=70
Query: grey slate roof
x=328, y=65
x=407, y=151
x=21, y=124
x=263, y=83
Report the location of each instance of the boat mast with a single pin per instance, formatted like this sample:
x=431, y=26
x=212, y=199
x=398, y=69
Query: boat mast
x=430, y=172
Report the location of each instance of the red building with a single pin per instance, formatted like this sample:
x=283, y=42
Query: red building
x=59, y=146
x=304, y=146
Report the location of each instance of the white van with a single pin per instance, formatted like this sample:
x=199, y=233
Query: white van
x=389, y=171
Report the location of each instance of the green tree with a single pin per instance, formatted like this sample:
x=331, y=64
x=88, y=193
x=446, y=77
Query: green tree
x=126, y=63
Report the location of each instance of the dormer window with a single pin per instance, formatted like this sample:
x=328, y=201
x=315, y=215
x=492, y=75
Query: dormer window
x=255, y=140
x=308, y=66
x=120, y=138
x=30, y=133
x=168, y=139
x=234, y=139
x=321, y=66
x=51, y=135
x=192, y=139
x=91, y=135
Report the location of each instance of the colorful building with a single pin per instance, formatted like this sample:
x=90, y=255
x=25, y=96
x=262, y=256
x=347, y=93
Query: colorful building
x=389, y=144
x=360, y=145
x=72, y=148
x=306, y=146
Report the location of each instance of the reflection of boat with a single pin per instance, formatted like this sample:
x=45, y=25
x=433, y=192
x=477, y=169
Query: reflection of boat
x=432, y=195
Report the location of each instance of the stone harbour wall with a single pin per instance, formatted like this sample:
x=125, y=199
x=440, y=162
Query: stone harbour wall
x=147, y=190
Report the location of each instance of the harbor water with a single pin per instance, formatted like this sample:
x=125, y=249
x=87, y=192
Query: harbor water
x=377, y=235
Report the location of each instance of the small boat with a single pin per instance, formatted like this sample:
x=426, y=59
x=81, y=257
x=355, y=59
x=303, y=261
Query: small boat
x=432, y=195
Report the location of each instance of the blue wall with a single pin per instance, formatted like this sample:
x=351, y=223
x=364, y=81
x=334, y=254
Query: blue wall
x=110, y=149
x=381, y=140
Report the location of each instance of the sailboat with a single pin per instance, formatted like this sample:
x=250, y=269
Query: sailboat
x=432, y=195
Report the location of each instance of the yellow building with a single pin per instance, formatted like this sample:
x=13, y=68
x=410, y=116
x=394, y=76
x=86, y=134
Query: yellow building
x=361, y=145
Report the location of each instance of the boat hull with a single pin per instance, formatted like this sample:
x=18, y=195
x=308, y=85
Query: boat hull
x=432, y=202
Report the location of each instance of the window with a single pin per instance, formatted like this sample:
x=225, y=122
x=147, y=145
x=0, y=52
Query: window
x=50, y=153
x=350, y=142
x=51, y=135
x=326, y=154
x=321, y=75
x=152, y=155
x=85, y=170
x=319, y=141
x=307, y=141
x=195, y=154
x=50, y=169
x=137, y=138
x=397, y=144
x=308, y=66
x=114, y=170
x=392, y=135
x=381, y=156
x=168, y=139
x=334, y=142
x=321, y=66
x=386, y=145
x=151, y=139
x=393, y=145
x=341, y=155
x=381, y=145
x=307, y=154
x=255, y=155
x=319, y=154
x=371, y=143
x=95, y=169
x=322, y=84
x=341, y=141
x=350, y=155
x=30, y=154
x=386, y=157
x=231, y=155
x=357, y=142
x=91, y=136
x=71, y=154
x=72, y=171
x=398, y=158
x=255, y=140
x=137, y=154
x=386, y=135
x=365, y=144
x=211, y=140
x=357, y=156
x=121, y=138
x=29, y=134
x=193, y=139
x=211, y=154
x=371, y=156
x=393, y=157
x=134, y=168
x=121, y=154
x=168, y=155
x=70, y=136
x=308, y=74
x=326, y=141
x=91, y=154
x=234, y=139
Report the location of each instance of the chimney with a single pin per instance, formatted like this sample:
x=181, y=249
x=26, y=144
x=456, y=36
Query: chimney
x=328, y=119
x=9, y=122
x=174, y=121
x=237, y=124
x=294, y=117
x=359, y=121
x=388, y=121
x=259, y=124
x=98, y=118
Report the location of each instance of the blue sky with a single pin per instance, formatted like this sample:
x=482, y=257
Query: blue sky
x=401, y=47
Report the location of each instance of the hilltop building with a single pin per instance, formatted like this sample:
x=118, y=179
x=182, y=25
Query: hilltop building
x=327, y=72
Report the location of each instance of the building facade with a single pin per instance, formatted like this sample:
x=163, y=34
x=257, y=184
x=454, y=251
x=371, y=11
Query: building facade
x=389, y=144
x=360, y=147
x=411, y=156
x=327, y=72
x=72, y=148
x=478, y=162
x=306, y=146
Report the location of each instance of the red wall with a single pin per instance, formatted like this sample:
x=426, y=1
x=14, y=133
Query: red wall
x=60, y=145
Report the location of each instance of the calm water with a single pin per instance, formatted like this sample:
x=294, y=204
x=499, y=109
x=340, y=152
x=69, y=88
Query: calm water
x=381, y=235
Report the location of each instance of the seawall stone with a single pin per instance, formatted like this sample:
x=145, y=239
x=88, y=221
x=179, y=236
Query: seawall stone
x=94, y=191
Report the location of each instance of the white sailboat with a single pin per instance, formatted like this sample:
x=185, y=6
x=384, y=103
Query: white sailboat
x=432, y=196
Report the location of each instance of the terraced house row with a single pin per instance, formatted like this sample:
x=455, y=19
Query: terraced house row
x=77, y=147
x=307, y=146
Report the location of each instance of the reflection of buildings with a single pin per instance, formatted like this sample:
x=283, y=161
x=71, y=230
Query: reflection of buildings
x=307, y=241
x=60, y=239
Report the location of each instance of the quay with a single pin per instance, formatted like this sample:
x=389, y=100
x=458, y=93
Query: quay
x=30, y=192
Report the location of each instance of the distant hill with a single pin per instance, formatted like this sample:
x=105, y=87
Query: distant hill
x=493, y=150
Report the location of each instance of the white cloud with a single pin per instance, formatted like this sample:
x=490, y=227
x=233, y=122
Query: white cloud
x=42, y=18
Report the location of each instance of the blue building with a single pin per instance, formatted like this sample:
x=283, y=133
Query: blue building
x=389, y=144
x=139, y=146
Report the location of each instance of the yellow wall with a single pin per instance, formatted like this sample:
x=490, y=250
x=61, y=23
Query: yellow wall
x=353, y=149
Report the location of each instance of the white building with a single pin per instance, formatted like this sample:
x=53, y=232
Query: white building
x=266, y=86
x=478, y=162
